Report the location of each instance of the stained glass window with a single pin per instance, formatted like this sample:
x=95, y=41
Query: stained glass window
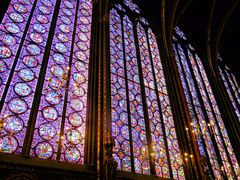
x=232, y=86
x=209, y=130
x=44, y=59
x=142, y=120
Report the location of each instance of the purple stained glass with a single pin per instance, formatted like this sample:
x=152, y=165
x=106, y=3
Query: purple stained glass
x=75, y=123
x=13, y=124
x=231, y=90
x=211, y=123
x=44, y=150
x=199, y=124
x=128, y=118
x=148, y=51
x=119, y=111
x=51, y=108
x=19, y=98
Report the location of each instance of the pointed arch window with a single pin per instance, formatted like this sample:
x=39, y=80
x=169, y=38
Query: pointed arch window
x=142, y=120
x=232, y=86
x=44, y=59
x=209, y=130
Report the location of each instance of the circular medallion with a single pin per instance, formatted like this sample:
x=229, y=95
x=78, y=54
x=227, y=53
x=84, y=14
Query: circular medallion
x=47, y=3
x=37, y=38
x=84, y=29
x=26, y=75
x=81, y=55
x=61, y=47
x=57, y=71
x=72, y=155
x=75, y=119
x=79, y=78
x=67, y=12
x=3, y=66
x=64, y=28
x=33, y=49
x=73, y=136
x=44, y=150
x=20, y=8
x=47, y=131
x=50, y=113
x=59, y=58
x=82, y=46
x=30, y=61
x=42, y=19
x=78, y=91
x=8, y=40
x=8, y=144
x=39, y=28
x=16, y=17
x=24, y=1
x=5, y=52
x=12, y=28
x=44, y=10
x=76, y=104
x=55, y=83
x=53, y=97
x=18, y=106
x=22, y=89
x=13, y=124
x=80, y=66
x=66, y=20
x=68, y=4
x=62, y=37
x=83, y=37
x=84, y=20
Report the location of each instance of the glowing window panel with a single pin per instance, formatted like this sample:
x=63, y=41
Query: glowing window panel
x=50, y=113
x=76, y=109
x=129, y=126
x=132, y=6
x=20, y=94
x=122, y=153
x=66, y=71
x=231, y=89
x=205, y=114
x=173, y=147
x=16, y=16
x=217, y=122
x=154, y=110
x=199, y=124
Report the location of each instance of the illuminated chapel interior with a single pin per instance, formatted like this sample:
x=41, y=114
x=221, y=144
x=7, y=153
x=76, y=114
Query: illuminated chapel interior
x=119, y=89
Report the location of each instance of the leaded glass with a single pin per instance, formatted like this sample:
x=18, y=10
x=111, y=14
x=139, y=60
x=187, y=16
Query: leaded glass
x=209, y=130
x=231, y=85
x=142, y=121
x=44, y=59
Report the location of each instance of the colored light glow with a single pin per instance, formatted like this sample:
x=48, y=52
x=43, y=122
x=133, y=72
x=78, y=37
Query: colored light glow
x=27, y=73
x=211, y=122
x=128, y=124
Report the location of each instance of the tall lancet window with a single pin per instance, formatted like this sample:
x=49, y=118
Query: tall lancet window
x=209, y=130
x=44, y=57
x=142, y=120
x=232, y=86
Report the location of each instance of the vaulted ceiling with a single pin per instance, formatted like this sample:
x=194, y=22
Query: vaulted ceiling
x=212, y=25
